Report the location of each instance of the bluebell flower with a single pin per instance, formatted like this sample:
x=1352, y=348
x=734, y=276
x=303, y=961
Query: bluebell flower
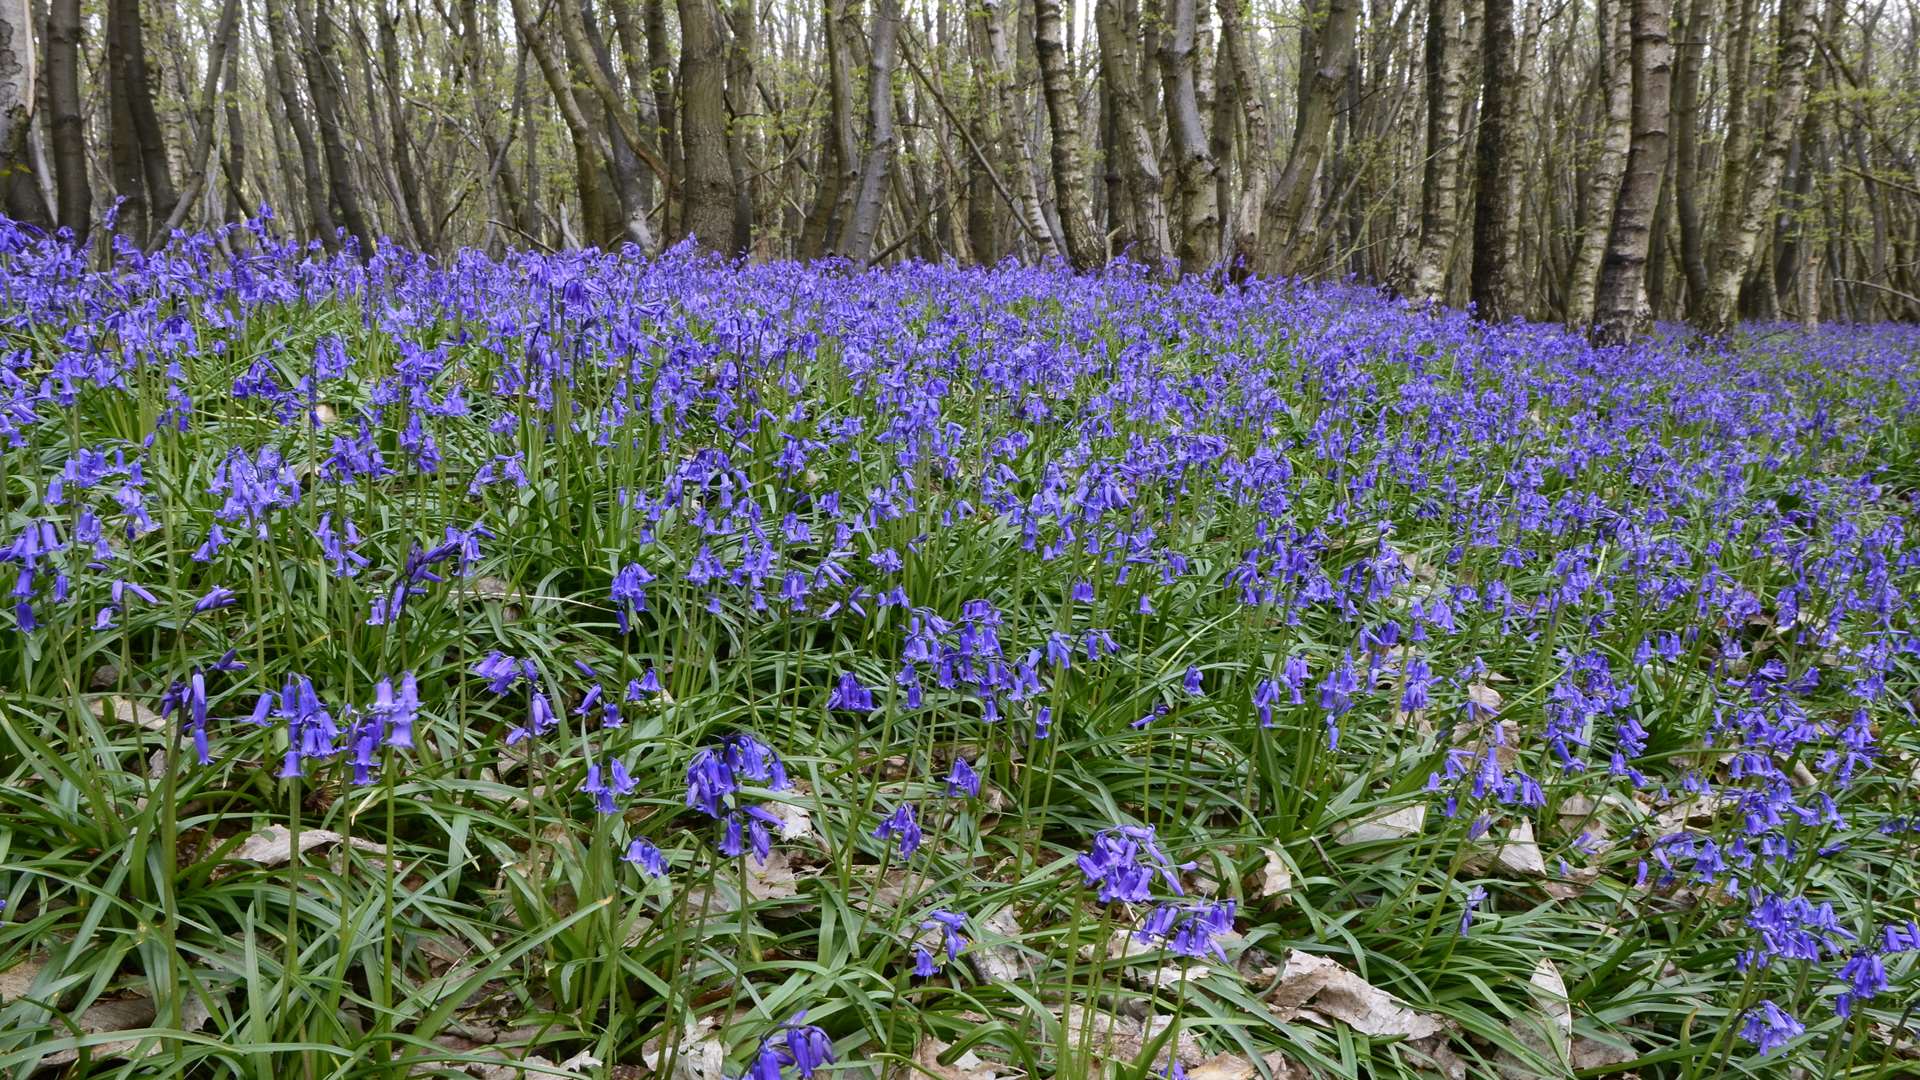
x=962, y=779
x=1123, y=862
x=644, y=855
x=1475, y=897
x=1769, y=1027
x=901, y=827
x=849, y=695
x=617, y=785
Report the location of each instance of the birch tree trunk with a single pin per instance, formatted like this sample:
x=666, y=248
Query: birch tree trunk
x=1086, y=247
x=1615, y=138
x=871, y=192
x=1196, y=173
x=1120, y=70
x=1619, y=307
x=1447, y=59
x=1738, y=240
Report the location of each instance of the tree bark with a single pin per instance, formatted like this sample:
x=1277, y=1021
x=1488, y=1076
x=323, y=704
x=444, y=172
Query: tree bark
x=1493, y=208
x=1616, y=42
x=1734, y=252
x=1236, y=40
x=1120, y=70
x=864, y=222
x=1196, y=172
x=1619, y=306
x=313, y=181
x=1690, y=55
x=397, y=129
x=68, y=129
x=1321, y=84
x=708, y=184
x=323, y=82
x=19, y=72
x=197, y=177
x=1086, y=247
x=1447, y=60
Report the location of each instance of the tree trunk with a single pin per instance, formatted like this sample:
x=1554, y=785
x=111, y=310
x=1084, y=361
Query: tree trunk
x=708, y=185
x=1493, y=207
x=1236, y=39
x=1086, y=247
x=313, y=182
x=397, y=129
x=1196, y=173
x=323, y=82
x=1691, y=55
x=1618, y=306
x=203, y=122
x=1734, y=252
x=1616, y=44
x=1447, y=58
x=19, y=72
x=1321, y=84
x=138, y=88
x=68, y=128
x=857, y=242
x=1120, y=70
x=666, y=135
x=233, y=162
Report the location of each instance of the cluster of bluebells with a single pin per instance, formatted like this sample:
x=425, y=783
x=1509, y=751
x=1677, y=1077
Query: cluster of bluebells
x=714, y=781
x=1123, y=865
x=1400, y=505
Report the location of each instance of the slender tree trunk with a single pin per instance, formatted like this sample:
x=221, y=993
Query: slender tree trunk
x=1236, y=40
x=708, y=185
x=1619, y=307
x=1321, y=83
x=68, y=128
x=313, y=181
x=666, y=135
x=398, y=128
x=323, y=82
x=1120, y=68
x=1086, y=247
x=1616, y=44
x=1196, y=172
x=1690, y=56
x=1735, y=250
x=197, y=175
x=137, y=74
x=233, y=162
x=1447, y=59
x=1493, y=207
x=864, y=222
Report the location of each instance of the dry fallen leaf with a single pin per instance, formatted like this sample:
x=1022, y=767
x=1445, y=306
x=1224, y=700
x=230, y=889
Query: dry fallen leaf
x=926, y=1065
x=123, y=1014
x=700, y=1055
x=1122, y=1039
x=18, y=979
x=1276, y=878
x=1391, y=825
x=273, y=845
x=127, y=710
x=1313, y=986
x=999, y=961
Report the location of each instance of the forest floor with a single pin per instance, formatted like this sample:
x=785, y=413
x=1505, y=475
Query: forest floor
x=569, y=665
